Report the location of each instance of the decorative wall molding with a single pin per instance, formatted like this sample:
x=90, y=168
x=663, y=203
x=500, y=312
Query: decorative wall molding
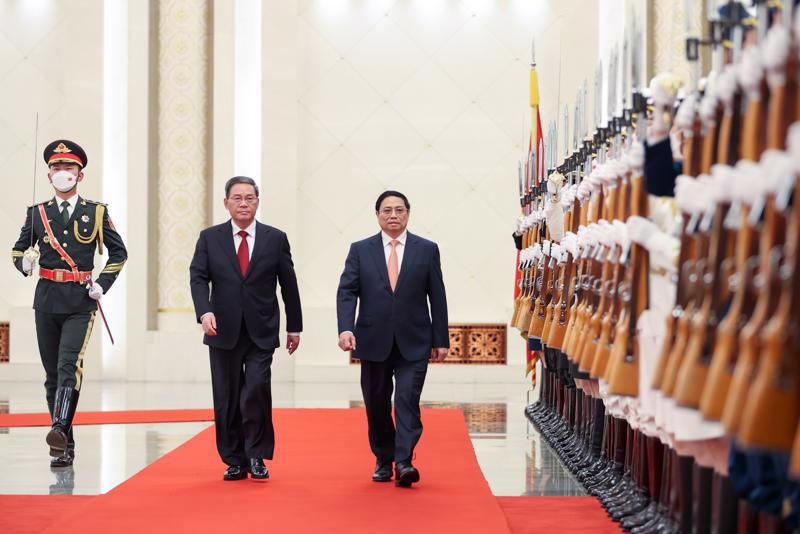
x=183, y=161
x=474, y=344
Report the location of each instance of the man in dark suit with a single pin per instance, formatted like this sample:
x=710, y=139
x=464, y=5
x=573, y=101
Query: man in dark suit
x=392, y=276
x=243, y=260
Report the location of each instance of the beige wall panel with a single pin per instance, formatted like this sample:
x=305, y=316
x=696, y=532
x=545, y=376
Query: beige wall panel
x=51, y=63
x=428, y=98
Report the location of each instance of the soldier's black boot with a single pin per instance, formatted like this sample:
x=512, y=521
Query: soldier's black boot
x=63, y=412
x=65, y=459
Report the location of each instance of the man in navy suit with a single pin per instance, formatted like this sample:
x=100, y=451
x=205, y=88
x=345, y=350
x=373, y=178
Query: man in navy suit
x=392, y=276
x=242, y=261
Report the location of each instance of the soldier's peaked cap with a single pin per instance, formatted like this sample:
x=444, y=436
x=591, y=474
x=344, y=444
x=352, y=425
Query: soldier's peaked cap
x=65, y=151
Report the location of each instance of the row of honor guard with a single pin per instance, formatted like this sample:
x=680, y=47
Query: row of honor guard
x=61, y=237
x=660, y=282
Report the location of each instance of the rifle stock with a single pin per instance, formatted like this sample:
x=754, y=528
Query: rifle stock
x=726, y=349
x=749, y=338
x=771, y=414
x=623, y=375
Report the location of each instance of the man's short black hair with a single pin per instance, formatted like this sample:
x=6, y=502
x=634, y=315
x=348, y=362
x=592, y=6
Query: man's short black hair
x=386, y=194
x=239, y=180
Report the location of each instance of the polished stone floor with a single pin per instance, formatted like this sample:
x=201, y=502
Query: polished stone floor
x=513, y=457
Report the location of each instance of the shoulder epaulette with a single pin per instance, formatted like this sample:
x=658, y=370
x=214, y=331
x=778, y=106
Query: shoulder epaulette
x=93, y=202
x=47, y=202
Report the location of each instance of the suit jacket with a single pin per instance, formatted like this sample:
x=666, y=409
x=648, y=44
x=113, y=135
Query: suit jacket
x=660, y=171
x=89, y=229
x=402, y=315
x=234, y=298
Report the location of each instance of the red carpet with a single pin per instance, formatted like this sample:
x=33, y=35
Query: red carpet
x=565, y=515
x=108, y=418
x=320, y=483
x=28, y=514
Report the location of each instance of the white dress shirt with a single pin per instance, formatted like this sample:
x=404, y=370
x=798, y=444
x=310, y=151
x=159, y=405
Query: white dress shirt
x=73, y=201
x=251, y=237
x=401, y=246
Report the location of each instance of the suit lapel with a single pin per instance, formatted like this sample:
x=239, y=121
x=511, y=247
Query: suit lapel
x=408, y=258
x=376, y=248
x=225, y=236
x=259, y=249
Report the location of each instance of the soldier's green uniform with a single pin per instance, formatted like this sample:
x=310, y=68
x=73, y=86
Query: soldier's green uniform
x=64, y=310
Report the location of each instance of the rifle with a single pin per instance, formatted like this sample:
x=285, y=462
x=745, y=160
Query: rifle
x=606, y=309
x=623, y=375
x=770, y=416
x=596, y=302
x=726, y=348
x=694, y=369
x=680, y=302
x=576, y=312
x=764, y=286
x=539, y=305
x=694, y=268
x=568, y=284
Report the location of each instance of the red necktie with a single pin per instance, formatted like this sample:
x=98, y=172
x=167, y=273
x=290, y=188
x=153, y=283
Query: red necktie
x=243, y=253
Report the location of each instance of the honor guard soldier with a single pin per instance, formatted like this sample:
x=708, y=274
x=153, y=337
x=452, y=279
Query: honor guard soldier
x=68, y=229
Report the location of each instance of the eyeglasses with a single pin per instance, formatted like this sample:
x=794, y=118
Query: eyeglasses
x=238, y=200
x=387, y=212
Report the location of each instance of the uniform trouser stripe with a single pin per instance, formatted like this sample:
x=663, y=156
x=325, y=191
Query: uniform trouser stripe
x=63, y=340
x=79, y=362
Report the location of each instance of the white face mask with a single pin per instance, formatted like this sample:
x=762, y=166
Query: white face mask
x=64, y=180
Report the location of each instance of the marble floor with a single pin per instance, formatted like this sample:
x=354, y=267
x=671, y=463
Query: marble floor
x=513, y=457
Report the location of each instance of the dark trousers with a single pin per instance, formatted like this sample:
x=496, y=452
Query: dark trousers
x=62, y=342
x=386, y=442
x=240, y=379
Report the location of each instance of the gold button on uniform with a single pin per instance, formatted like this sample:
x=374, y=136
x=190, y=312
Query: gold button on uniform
x=65, y=232
x=63, y=244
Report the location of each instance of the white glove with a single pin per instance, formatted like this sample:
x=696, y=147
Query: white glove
x=28, y=265
x=555, y=219
x=663, y=248
x=640, y=229
x=519, y=228
x=555, y=251
x=95, y=291
x=554, y=183
x=570, y=243
x=584, y=191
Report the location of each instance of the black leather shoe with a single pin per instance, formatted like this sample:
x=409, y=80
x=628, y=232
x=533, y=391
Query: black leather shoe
x=405, y=474
x=258, y=469
x=235, y=472
x=383, y=472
